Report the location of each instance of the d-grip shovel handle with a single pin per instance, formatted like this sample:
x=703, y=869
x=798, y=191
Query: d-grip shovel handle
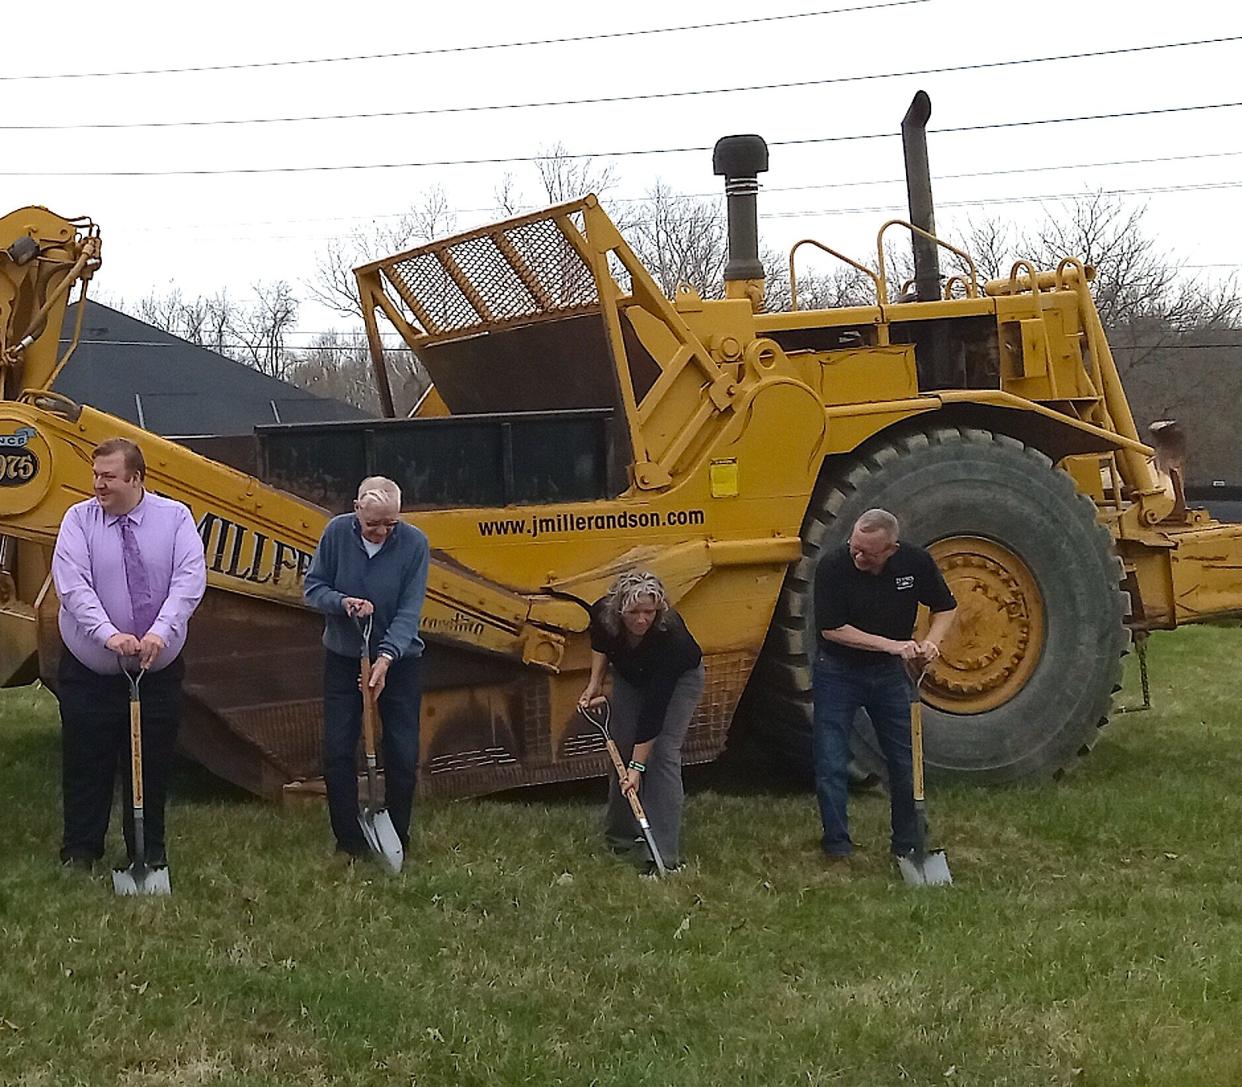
x=598, y=716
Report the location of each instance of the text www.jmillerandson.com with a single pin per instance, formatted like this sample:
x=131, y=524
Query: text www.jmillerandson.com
x=536, y=526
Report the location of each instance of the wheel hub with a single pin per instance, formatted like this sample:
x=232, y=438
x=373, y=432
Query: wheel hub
x=998, y=637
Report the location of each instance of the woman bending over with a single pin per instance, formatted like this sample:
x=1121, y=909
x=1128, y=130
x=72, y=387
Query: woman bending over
x=657, y=683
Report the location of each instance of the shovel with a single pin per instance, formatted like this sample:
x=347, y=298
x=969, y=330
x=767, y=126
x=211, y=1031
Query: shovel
x=923, y=867
x=138, y=879
x=377, y=829
x=599, y=714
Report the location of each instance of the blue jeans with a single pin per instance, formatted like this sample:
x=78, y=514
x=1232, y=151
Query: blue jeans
x=342, y=718
x=840, y=690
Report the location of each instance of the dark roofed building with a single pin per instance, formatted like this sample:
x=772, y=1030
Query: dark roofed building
x=175, y=388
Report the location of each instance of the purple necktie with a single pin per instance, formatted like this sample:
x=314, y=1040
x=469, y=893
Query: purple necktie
x=142, y=600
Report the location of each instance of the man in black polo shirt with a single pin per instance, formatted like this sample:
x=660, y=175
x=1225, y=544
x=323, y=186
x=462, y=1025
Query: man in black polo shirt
x=867, y=595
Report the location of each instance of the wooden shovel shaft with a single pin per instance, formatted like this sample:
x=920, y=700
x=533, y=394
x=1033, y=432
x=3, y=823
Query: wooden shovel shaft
x=916, y=747
x=368, y=711
x=135, y=752
x=635, y=805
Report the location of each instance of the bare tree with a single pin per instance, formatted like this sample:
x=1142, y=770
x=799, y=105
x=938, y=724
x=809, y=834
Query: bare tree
x=407, y=378
x=1133, y=278
x=506, y=193
x=562, y=177
x=1146, y=300
x=218, y=321
x=839, y=285
x=162, y=310
x=337, y=365
x=333, y=284
x=431, y=218
x=680, y=240
x=208, y=322
x=565, y=177
x=1173, y=335
x=205, y=320
x=992, y=242
x=263, y=327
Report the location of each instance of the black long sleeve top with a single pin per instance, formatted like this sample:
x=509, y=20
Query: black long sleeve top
x=653, y=665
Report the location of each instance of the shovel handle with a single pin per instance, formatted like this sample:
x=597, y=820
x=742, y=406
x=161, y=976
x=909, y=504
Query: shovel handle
x=619, y=766
x=369, y=711
x=916, y=747
x=635, y=805
x=135, y=751
x=600, y=721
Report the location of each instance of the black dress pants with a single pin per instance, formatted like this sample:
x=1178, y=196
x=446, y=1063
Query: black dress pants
x=94, y=719
x=399, y=704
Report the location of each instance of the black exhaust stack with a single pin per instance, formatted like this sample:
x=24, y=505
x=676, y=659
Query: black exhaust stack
x=741, y=159
x=919, y=193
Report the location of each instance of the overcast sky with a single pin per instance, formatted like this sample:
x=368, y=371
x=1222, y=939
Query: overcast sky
x=225, y=228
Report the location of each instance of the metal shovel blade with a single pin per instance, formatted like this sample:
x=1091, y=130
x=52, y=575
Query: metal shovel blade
x=931, y=870
x=141, y=881
x=661, y=869
x=382, y=839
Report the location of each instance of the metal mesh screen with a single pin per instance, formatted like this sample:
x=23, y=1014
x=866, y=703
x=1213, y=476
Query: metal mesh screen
x=512, y=273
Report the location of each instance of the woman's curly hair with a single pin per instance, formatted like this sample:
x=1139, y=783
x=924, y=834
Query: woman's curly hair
x=629, y=589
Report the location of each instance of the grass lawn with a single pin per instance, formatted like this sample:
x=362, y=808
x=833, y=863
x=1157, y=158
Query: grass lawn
x=1094, y=935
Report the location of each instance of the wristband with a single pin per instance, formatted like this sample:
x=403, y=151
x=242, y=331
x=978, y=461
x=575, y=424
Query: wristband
x=641, y=767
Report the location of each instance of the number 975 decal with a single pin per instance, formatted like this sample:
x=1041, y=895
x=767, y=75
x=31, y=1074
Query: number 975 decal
x=17, y=468
x=18, y=464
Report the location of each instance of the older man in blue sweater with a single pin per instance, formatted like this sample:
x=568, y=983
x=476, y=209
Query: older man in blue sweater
x=370, y=563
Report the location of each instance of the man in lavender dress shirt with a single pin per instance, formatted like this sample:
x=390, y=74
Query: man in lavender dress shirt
x=129, y=570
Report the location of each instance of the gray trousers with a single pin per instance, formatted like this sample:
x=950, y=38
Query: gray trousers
x=661, y=792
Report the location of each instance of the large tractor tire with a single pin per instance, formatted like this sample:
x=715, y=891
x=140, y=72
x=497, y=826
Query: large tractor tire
x=1028, y=673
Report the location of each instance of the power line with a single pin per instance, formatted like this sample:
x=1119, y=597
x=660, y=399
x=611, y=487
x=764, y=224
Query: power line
x=1010, y=170
x=1022, y=124
x=219, y=226
x=1146, y=190
x=450, y=49
x=502, y=159
x=884, y=209
x=871, y=209
x=606, y=100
